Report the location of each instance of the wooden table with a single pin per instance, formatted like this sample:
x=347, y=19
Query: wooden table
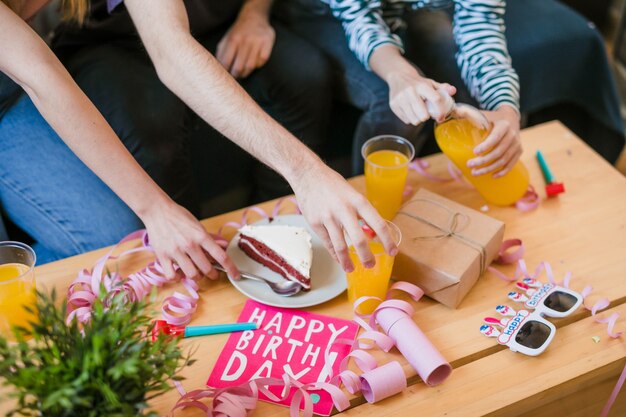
x=583, y=231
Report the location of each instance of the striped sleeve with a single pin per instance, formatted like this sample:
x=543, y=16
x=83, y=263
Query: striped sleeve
x=365, y=28
x=482, y=55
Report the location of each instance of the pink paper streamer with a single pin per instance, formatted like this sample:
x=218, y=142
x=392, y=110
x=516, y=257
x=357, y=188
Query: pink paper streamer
x=529, y=201
x=610, y=321
x=614, y=394
x=507, y=257
x=383, y=382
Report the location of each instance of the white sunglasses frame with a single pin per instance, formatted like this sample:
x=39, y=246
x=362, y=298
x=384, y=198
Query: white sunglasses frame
x=537, y=301
x=515, y=324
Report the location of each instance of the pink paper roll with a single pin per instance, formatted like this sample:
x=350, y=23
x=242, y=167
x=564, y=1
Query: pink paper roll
x=383, y=382
x=429, y=364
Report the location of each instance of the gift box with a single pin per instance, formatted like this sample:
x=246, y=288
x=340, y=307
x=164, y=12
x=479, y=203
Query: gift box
x=445, y=246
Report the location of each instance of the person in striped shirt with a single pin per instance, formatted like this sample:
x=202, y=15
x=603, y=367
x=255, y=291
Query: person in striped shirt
x=375, y=30
x=563, y=68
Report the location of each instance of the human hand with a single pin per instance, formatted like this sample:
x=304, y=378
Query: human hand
x=332, y=207
x=500, y=151
x=412, y=97
x=415, y=99
x=179, y=239
x=247, y=45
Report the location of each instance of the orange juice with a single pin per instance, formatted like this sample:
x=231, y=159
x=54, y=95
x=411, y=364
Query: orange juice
x=17, y=288
x=457, y=138
x=369, y=282
x=385, y=177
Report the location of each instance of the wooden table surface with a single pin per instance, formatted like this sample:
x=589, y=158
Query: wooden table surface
x=583, y=231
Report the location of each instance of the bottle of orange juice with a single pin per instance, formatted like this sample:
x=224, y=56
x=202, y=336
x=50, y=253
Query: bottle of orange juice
x=463, y=129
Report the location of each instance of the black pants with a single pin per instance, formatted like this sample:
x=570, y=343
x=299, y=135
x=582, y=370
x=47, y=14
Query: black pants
x=166, y=137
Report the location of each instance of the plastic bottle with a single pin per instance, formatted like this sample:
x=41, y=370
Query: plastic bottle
x=463, y=128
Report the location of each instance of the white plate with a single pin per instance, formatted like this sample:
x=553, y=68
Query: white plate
x=327, y=278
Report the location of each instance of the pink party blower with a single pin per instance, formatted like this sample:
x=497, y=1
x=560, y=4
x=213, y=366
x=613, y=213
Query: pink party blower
x=414, y=345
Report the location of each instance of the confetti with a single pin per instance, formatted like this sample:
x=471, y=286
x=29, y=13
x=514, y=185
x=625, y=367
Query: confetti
x=596, y=339
x=484, y=208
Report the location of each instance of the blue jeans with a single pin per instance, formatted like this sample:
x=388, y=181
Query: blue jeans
x=50, y=194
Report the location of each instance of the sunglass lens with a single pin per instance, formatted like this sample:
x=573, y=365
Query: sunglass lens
x=560, y=301
x=533, y=334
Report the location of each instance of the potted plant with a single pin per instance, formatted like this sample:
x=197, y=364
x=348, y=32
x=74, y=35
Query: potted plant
x=106, y=367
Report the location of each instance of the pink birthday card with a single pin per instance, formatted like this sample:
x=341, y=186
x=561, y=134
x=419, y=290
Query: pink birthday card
x=287, y=341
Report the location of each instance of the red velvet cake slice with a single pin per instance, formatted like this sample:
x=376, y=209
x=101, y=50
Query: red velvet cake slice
x=285, y=250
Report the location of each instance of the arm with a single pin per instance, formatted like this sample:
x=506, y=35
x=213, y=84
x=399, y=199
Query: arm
x=365, y=28
x=412, y=97
x=174, y=233
x=193, y=74
x=486, y=68
x=380, y=50
x=248, y=43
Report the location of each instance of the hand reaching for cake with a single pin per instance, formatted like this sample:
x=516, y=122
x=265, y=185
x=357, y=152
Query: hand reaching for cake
x=332, y=207
x=179, y=239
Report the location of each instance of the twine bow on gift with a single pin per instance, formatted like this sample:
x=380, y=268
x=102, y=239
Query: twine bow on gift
x=451, y=230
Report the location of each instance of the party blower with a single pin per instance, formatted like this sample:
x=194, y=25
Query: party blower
x=553, y=188
x=162, y=327
x=398, y=324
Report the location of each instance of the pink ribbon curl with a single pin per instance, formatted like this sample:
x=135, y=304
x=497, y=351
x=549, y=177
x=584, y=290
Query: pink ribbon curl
x=241, y=400
x=610, y=322
x=81, y=294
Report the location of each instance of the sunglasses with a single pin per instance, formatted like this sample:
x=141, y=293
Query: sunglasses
x=547, y=299
x=527, y=331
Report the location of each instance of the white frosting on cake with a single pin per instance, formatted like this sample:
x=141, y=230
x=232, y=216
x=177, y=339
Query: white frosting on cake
x=291, y=243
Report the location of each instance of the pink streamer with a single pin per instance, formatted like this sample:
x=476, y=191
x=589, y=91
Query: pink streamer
x=507, y=257
x=421, y=166
x=529, y=201
x=610, y=321
x=614, y=394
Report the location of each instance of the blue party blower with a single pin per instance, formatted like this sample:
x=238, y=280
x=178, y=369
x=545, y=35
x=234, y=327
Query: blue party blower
x=162, y=327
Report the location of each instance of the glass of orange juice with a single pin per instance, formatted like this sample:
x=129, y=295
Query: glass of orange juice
x=372, y=282
x=387, y=160
x=17, y=286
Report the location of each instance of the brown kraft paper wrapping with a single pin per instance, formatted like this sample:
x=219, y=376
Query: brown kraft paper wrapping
x=445, y=246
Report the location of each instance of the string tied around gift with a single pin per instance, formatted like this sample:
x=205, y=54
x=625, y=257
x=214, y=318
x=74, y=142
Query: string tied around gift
x=451, y=230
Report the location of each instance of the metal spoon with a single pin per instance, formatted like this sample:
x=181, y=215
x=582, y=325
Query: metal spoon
x=284, y=288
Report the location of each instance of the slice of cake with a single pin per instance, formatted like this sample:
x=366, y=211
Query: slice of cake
x=285, y=250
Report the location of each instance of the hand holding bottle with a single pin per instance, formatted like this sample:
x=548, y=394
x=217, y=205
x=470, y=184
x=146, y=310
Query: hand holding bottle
x=501, y=150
